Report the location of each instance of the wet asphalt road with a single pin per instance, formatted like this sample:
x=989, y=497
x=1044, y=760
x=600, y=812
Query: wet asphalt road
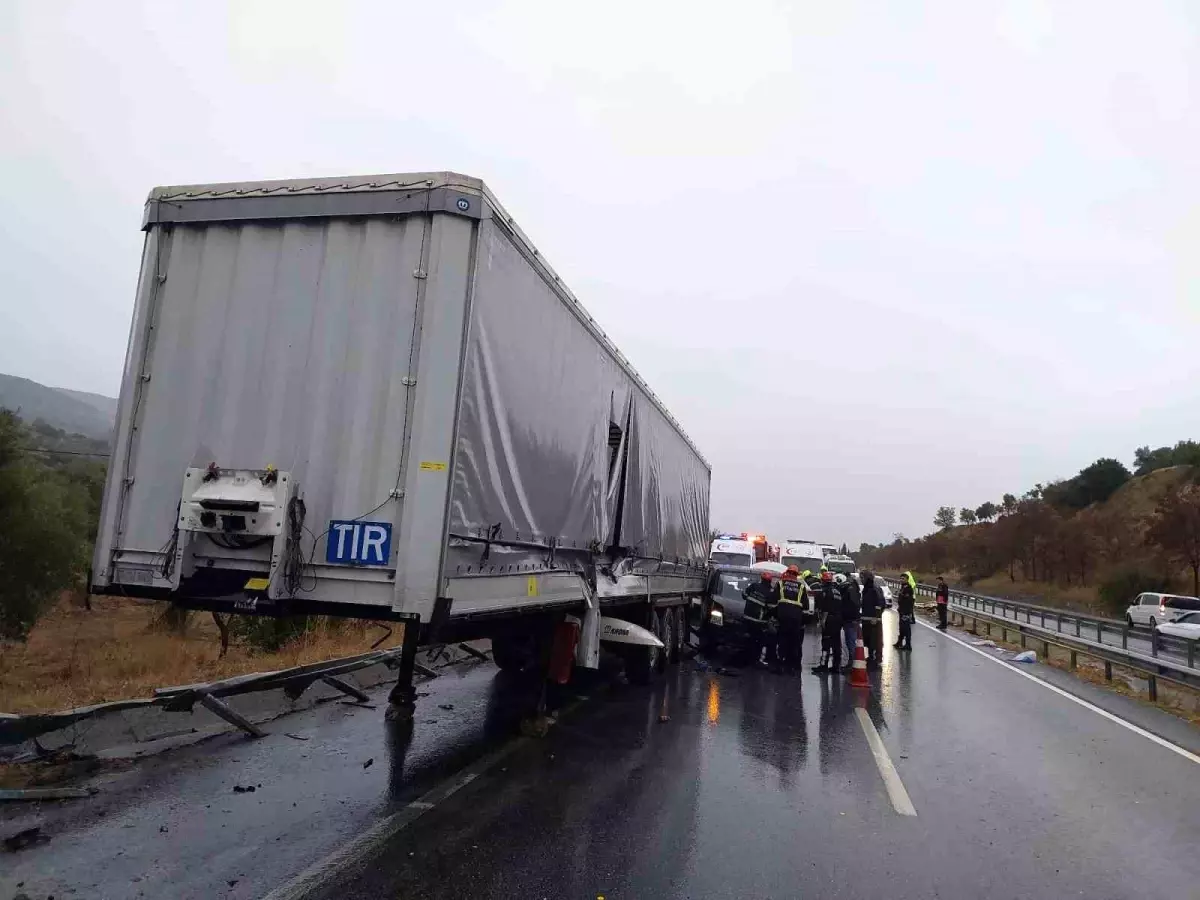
x=762, y=786
x=172, y=826
x=758, y=786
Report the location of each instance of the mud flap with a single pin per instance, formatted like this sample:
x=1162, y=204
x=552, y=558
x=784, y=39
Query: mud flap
x=587, y=651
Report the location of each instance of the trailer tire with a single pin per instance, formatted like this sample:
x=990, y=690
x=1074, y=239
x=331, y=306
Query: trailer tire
x=660, y=631
x=514, y=652
x=642, y=664
x=670, y=626
x=679, y=630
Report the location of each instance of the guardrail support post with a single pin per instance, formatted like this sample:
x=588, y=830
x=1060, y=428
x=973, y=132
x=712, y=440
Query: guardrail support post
x=230, y=715
x=1124, y=637
x=478, y=654
x=1191, y=645
x=1074, y=660
x=1107, y=670
x=1046, y=650
x=1152, y=688
x=1153, y=643
x=1099, y=633
x=346, y=688
x=1043, y=612
x=1022, y=640
x=989, y=628
x=1077, y=626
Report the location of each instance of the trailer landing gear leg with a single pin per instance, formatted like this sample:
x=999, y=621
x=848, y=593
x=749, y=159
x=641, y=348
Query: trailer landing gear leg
x=537, y=723
x=402, y=701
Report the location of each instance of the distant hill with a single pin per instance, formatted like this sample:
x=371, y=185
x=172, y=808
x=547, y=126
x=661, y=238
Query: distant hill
x=71, y=411
x=106, y=405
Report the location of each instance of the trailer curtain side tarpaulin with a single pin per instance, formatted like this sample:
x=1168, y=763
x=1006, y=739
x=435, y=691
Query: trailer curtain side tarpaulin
x=398, y=348
x=548, y=416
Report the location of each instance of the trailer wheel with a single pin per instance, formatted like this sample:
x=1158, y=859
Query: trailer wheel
x=642, y=664
x=660, y=629
x=677, y=630
x=514, y=652
x=667, y=636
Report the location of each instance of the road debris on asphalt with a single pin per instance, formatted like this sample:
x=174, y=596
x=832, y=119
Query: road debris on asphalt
x=26, y=837
x=46, y=793
x=244, y=789
x=1028, y=656
x=370, y=762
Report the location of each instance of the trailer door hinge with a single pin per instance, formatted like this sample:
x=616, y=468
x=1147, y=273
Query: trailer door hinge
x=145, y=377
x=397, y=494
x=408, y=381
x=420, y=273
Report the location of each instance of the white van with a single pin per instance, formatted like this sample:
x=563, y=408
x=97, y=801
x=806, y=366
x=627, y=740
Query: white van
x=804, y=555
x=731, y=551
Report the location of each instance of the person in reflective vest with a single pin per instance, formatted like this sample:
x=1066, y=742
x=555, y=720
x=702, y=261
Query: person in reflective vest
x=793, y=604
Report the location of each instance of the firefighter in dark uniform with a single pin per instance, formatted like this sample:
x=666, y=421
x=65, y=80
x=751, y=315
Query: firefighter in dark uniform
x=906, y=606
x=872, y=620
x=829, y=605
x=760, y=597
x=793, y=603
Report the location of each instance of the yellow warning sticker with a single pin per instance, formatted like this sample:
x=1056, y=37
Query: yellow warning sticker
x=531, y=586
x=257, y=584
x=429, y=466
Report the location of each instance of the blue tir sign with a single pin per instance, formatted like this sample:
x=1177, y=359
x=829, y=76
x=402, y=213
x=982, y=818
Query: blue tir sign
x=359, y=543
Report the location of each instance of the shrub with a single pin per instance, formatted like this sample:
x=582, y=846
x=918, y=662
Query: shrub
x=1121, y=586
x=43, y=533
x=269, y=635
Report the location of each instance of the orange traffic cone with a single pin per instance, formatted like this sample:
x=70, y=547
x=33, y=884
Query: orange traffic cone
x=858, y=670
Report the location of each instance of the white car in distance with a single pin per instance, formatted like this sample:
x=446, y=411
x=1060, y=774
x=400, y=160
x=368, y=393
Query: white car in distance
x=1156, y=609
x=1186, y=626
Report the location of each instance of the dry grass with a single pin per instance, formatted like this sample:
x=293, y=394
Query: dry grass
x=115, y=652
x=1080, y=599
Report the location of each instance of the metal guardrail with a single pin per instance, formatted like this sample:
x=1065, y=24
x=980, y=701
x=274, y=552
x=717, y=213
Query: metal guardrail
x=1154, y=656
x=294, y=681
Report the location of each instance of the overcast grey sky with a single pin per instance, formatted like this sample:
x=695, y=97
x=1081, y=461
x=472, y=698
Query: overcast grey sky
x=875, y=257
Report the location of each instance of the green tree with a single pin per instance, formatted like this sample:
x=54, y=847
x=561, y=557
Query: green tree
x=1175, y=528
x=1008, y=504
x=987, y=511
x=967, y=516
x=1184, y=453
x=945, y=517
x=44, y=526
x=1095, y=484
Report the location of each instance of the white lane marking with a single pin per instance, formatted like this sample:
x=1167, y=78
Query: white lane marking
x=370, y=841
x=891, y=778
x=1149, y=735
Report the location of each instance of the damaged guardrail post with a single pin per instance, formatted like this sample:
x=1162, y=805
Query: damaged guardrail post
x=345, y=687
x=229, y=714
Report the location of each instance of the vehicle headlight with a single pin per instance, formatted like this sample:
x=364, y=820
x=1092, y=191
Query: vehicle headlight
x=716, y=617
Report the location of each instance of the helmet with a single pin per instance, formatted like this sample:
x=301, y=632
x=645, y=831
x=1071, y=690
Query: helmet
x=766, y=576
x=840, y=578
x=826, y=575
x=794, y=570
